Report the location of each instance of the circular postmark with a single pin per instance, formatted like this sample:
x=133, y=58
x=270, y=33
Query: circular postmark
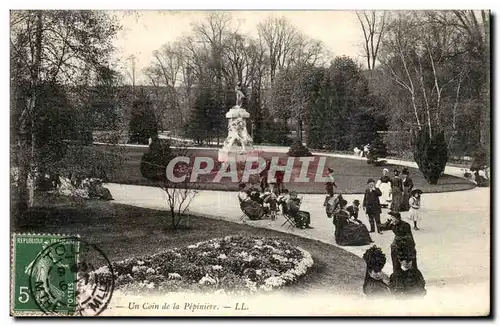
x=71, y=277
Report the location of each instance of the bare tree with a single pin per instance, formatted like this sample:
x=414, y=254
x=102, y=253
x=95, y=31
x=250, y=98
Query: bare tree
x=373, y=24
x=179, y=195
x=279, y=36
x=418, y=56
x=133, y=69
x=476, y=25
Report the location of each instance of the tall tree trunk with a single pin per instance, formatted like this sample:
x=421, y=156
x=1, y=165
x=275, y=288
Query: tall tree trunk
x=27, y=168
x=485, y=136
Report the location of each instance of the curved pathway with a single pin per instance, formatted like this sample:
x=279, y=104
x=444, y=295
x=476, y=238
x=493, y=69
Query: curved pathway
x=453, y=242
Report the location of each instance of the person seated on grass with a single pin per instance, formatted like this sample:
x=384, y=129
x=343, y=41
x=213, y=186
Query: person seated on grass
x=302, y=218
x=374, y=285
x=408, y=280
x=251, y=208
x=348, y=233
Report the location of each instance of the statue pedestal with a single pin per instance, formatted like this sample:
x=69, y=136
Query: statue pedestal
x=238, y=157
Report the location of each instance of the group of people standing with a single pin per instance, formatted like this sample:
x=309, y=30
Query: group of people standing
x=398, y=195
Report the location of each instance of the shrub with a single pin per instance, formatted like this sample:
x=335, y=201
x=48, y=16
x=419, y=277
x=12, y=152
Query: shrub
x=154, y=163
x=143, y=123
x=377, y=150
x=431, y=154
x=480, y=160
x=298, y=149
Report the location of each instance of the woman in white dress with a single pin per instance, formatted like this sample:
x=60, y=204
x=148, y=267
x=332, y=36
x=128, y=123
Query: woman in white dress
x=384, y=184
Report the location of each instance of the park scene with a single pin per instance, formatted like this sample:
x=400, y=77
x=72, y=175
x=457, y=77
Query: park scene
x=243, y=154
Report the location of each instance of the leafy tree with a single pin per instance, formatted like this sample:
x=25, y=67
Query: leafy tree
x=50, y=47
x=480, y=160
x=431, y=155
x=143, y=123
x=377, y=151
x=203, y=116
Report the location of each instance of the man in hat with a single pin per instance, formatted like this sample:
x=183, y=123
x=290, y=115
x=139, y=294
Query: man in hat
x=354, y=210
x=371, y=204
x=302, y=218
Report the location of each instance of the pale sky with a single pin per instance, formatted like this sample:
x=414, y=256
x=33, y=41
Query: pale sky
x=142, y=34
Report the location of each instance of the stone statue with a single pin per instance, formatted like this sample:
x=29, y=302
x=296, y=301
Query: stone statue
x=237, y=132
x=239, y=95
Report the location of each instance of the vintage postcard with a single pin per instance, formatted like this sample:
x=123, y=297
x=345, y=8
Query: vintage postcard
x=250, y=163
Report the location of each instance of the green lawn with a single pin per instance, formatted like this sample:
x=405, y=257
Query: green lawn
x=122, y=231
x=351, y=175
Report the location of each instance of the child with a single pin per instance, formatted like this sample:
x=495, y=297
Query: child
x=374, y=284
x=272, y=201
x=331, y=183
x=283, y=198
x=414, y=213
x=408, y=281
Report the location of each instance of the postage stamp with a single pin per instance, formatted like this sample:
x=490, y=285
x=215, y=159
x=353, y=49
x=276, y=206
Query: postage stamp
x=56, y=275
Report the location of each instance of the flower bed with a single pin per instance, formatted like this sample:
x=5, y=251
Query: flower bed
x=233, y=264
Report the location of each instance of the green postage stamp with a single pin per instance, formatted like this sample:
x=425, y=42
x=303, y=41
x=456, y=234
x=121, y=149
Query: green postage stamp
x=44, y=274
x=53, y=275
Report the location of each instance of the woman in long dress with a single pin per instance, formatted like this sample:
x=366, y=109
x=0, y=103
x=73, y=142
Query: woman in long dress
x=348, y=233
x=374, y=285
x=407, y=188
x=403, y=238
x=396, y=192
x=252, y=209
x=384, y=184
x=407, y=281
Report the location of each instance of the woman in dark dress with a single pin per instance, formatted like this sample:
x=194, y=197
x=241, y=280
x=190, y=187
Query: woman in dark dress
x=331, y=204
x=402, y=237
x=407, y=188
x=263, y=177
x=408, y=281
x=252, y=209
x=396, y=191
x=374, y=285
x=348, y=233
